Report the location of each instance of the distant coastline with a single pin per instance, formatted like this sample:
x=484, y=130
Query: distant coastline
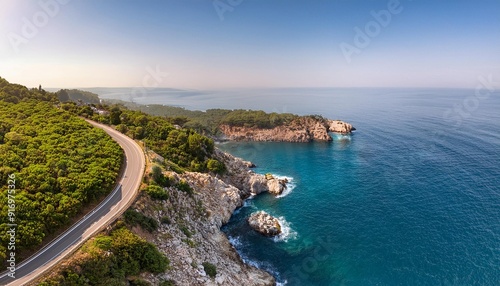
x=303, y=129
x=231, y=124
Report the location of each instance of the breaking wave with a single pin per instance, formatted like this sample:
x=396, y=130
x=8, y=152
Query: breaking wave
x=287, y=232
x=289, y=186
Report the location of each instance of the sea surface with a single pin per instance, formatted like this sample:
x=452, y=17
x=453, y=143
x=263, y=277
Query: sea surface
x=410, y=198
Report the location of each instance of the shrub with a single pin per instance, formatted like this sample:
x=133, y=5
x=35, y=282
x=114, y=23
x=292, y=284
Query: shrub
x=215, y=166
x=156, y=192
x=165, y=220
x=185, y=230
x=210, y=269
x=158, y=177
x=103, y=242
x=133, y=217
x=183, y=186
x=189, y=242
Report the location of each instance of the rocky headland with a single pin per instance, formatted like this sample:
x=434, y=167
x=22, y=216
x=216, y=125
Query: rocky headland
x=191, y=235
x=189, y=219
x=301, y=129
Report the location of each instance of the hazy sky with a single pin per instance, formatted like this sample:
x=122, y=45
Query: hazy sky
x=209, y=44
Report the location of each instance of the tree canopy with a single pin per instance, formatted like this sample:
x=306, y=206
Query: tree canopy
x=184, y=148
x=60, y=162
x=110, y=260
x=77, y=95
x=208, y=122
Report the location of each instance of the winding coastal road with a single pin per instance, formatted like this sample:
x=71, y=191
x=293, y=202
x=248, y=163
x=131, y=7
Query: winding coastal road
x=114, y=205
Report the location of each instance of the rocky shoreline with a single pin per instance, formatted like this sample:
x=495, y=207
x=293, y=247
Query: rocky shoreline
x=190, y=220
x=192, y=233
x=188, y=226
x=302, y=129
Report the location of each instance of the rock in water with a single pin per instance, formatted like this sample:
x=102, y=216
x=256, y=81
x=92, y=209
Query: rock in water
x=276, y=186
x=264, y=224
x=339, y=126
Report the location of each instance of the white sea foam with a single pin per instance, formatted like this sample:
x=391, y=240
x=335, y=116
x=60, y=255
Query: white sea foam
x=287, y=232
x=341, y=137
x=235, y=241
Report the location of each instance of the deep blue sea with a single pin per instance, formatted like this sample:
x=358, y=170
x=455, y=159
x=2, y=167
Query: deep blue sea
x=410, y=198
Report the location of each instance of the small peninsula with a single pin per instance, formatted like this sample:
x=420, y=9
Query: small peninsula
x=189, y=191
x=301, y=129
x=247, y=125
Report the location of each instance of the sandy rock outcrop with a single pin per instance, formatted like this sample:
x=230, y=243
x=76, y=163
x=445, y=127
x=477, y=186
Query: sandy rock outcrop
x=339, y=126
x=190, y=235
x=302, y=129
x=276, y=186
x=239, y=175
x=264, y=224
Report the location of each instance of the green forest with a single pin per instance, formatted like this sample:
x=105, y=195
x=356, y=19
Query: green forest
x=208, y=122
x=77, y=95
x=110, y=260
x=56, y=164
x=183, y=148
x=60, y=163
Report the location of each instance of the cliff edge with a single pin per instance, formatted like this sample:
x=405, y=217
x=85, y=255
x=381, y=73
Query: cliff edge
x=301, y=129
x=189, y=225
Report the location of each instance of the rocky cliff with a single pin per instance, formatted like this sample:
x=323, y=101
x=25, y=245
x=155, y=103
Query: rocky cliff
x=189, y=222
x=189, y=232
x=302, y=129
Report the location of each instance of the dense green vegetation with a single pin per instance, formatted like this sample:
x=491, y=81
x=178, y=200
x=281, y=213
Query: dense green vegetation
x=183, y=186
x=133, y=218
x=77, y=95
x=158, y=177
x=183, y=149
x=258, y=119
x=14, y=93
x=208, y=122
x=112, y=260
x=61, y=164
x=156, y=192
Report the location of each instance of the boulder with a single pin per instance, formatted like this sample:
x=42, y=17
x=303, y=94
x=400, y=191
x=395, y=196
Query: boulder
x=264, y=224
x=249, y=164
x=339, y=126
x=258, y=184
x=276, y=186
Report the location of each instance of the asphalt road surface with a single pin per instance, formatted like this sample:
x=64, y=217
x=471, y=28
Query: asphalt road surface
x=115, y=204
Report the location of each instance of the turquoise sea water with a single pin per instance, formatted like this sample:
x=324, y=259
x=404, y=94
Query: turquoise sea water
x=408, y=199
x=411, y=198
